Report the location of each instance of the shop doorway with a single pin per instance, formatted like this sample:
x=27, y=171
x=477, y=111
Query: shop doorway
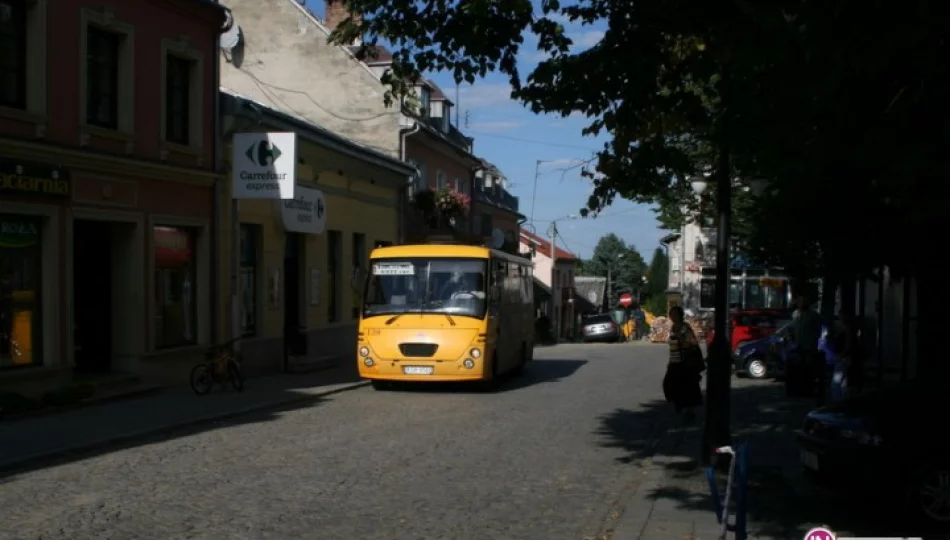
x=92, y=296
x=295, y=338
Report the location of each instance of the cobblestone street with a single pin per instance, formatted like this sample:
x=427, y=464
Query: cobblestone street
x=530, y=461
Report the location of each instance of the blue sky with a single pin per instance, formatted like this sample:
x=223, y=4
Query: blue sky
x=515, y=139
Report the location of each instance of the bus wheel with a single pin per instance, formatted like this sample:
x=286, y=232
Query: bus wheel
x=519, y=371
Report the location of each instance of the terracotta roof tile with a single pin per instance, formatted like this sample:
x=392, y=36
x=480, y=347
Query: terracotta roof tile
x=544, y=246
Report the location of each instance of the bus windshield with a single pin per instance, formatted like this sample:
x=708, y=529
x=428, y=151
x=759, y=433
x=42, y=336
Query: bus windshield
x=452, y=286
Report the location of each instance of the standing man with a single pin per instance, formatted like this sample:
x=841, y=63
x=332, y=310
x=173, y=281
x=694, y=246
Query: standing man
x=806, y=330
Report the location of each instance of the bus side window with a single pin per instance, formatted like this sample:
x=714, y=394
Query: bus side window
x=498, y=270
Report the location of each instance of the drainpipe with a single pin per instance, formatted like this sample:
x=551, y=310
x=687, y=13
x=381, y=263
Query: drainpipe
x=471, y=222
x=404, y=194
x=217, y=194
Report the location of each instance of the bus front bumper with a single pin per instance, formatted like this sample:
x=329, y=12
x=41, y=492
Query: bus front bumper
x=421, y=370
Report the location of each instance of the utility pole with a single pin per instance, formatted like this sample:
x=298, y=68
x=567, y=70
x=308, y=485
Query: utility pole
x=556, y=312
x=457, y=105
x=716, y=430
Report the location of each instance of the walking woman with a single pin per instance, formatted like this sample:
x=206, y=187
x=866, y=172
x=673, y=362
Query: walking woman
x=685, y=368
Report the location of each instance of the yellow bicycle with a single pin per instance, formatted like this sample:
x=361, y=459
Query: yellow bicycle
x=220, y=366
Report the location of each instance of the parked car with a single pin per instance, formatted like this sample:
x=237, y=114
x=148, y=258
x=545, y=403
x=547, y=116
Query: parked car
x=752, y=325
x=601, y=328
x=889, y=441
x=752, y=357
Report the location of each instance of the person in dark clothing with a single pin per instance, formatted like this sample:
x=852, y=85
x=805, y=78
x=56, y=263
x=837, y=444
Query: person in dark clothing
x=685, y=367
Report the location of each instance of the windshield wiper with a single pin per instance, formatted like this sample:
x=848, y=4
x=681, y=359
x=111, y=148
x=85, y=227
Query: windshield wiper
x=449, y=317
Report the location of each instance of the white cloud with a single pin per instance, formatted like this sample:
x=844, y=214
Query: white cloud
x=494, y=127
x=586, y=40
x=484, y=95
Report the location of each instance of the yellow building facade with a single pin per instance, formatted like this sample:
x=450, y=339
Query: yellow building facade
x=294, y=294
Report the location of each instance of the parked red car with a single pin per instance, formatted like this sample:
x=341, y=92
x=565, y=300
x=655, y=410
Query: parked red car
x=753, y=324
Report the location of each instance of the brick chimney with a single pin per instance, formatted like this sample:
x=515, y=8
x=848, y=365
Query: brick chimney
x=336, y=12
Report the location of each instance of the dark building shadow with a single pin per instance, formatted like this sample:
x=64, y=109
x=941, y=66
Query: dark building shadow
x=141, y=421
x=782, y=500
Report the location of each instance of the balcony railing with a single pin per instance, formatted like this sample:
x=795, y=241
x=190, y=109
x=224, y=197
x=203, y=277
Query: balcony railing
x=453, y=133
x=497, y=196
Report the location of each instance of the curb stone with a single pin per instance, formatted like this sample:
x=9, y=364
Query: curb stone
x=89, y=447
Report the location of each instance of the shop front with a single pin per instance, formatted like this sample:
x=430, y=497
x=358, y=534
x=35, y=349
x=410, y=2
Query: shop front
x=32, y=201
x=104, y=267
x=299, y=262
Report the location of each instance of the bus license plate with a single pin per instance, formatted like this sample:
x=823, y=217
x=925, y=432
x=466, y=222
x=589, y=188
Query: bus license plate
x=417, y=370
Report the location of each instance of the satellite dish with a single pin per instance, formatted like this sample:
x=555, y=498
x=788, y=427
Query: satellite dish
x=231, y=38
x=497, y=238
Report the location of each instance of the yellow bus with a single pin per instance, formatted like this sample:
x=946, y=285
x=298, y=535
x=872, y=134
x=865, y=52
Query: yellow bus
x=445, y=312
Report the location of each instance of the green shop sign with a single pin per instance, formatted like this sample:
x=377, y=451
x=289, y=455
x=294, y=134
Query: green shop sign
x=18, y=232
x=33, y=179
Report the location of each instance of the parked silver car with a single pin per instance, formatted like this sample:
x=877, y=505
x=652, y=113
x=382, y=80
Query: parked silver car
x=600, y=328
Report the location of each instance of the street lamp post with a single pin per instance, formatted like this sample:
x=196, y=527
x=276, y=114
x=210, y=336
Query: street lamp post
x=716, y=429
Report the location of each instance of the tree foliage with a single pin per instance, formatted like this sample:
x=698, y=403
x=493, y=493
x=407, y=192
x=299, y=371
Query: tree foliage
x=627, y=267
x=658, y=276
x=836, y=104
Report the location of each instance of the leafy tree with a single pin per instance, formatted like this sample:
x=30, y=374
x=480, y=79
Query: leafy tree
x=658, y=275
x=625, y=263
x=836, y=106
x=820, y=100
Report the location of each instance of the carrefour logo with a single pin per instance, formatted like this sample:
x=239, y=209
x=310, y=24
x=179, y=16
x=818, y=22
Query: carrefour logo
x=263, y=153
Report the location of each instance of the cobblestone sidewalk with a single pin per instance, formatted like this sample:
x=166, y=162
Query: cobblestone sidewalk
x=672, y=500
x=45, y=437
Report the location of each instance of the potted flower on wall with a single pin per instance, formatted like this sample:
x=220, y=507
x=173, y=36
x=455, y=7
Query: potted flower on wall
x=441, y=208
x=452, y=205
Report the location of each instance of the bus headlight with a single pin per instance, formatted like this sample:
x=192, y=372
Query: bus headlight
x=368, y=362
x=468, y=363
x=475, y=353
x=364, y=351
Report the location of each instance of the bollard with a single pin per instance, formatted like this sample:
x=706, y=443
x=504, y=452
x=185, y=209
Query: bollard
x=714, y=493
x=742, y=479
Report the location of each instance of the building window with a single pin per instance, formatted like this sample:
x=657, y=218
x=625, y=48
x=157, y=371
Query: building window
x=102, y=77
x=441, y=181
x=425, y=100
x=178, y=72
x=486, y=224
x=20, y=322
x=359, y=272
x=250, y=263
x=175, y=295
x=707, y=293
x=13, y=43
x=334, y=256
x=755, y=295
x=461, y=185
x=446, y=116
x=423, y=177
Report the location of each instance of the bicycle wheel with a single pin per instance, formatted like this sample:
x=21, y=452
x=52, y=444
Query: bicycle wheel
x=235, y=376
x=202, y=380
